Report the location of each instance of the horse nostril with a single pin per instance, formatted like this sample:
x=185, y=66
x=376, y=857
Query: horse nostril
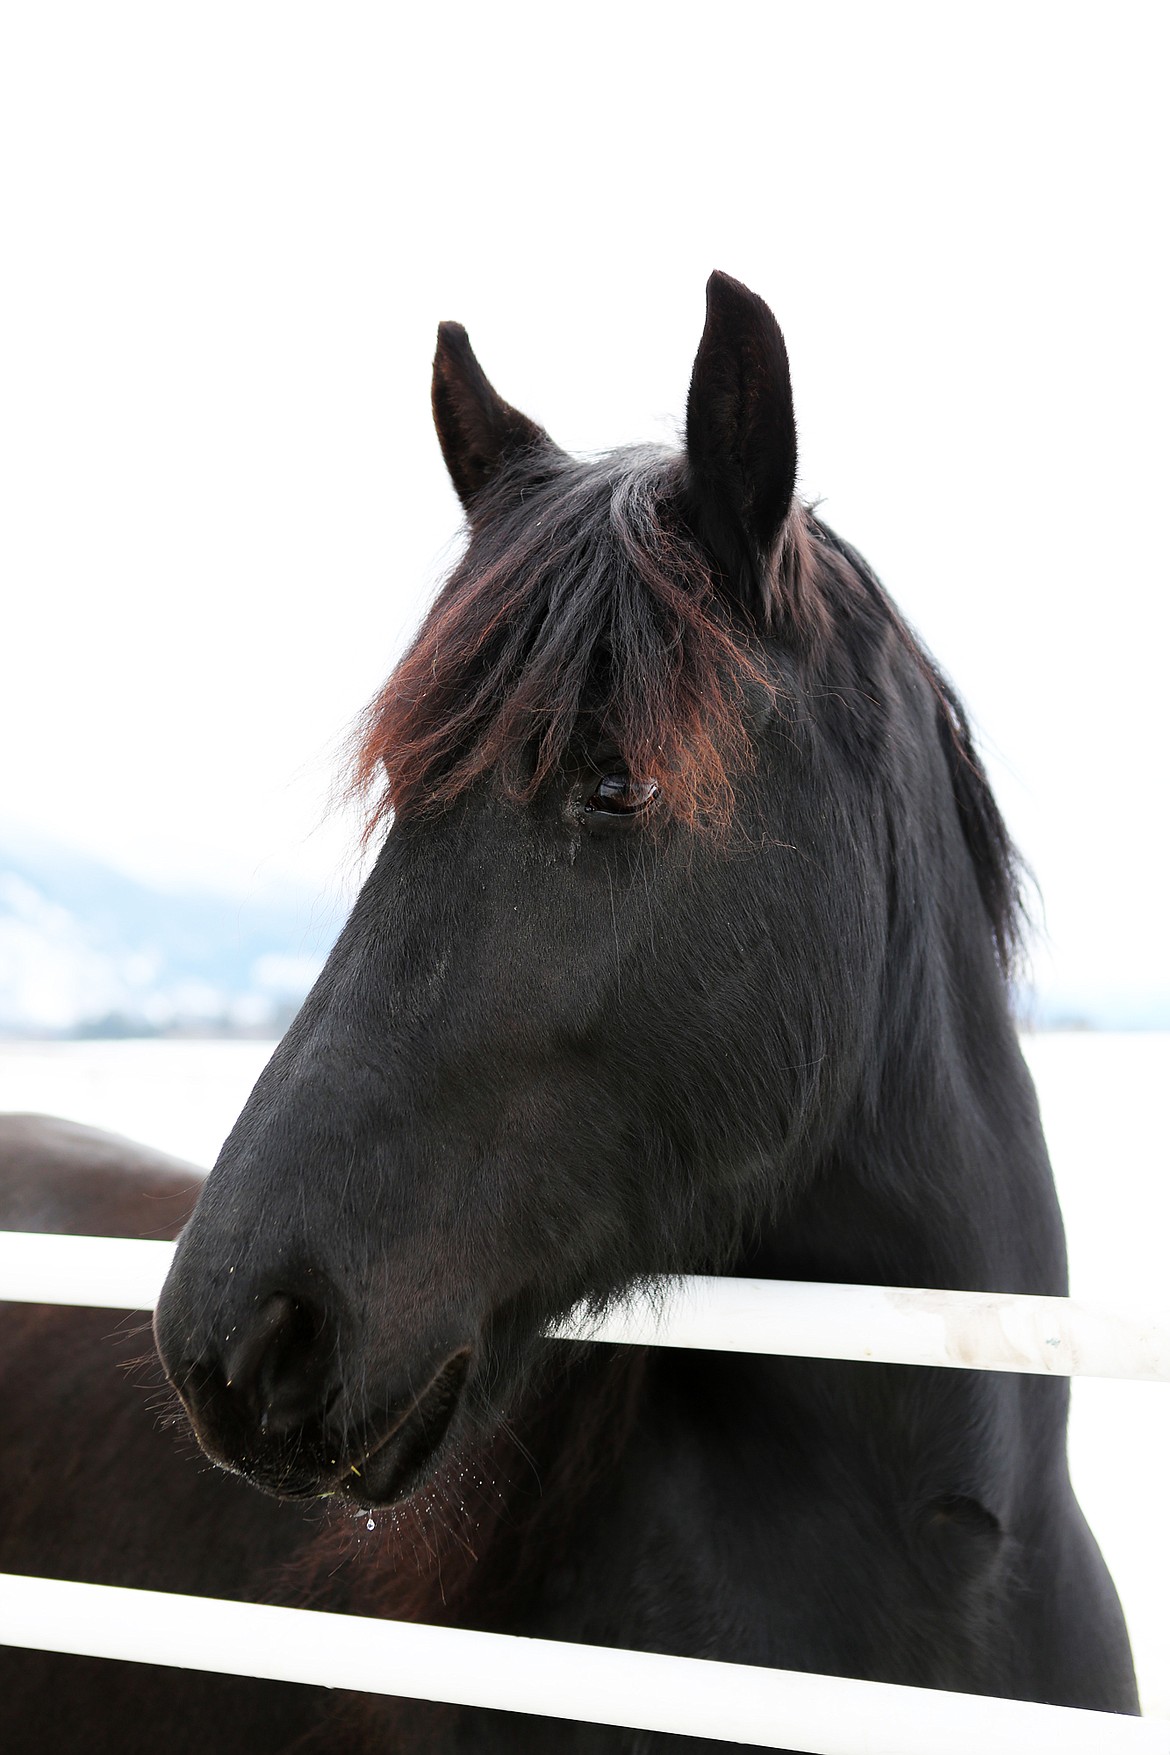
x=278, y=1366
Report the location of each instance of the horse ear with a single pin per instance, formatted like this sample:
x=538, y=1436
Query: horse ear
x=478, y=431
x=741, y=439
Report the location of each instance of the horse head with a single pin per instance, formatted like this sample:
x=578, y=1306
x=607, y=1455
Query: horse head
x=663, y=779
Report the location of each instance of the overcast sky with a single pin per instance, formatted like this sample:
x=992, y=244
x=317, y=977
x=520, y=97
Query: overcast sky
x=229, y=231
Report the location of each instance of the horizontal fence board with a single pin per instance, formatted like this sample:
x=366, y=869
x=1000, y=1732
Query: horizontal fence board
x=108, y=1273
x=985, y=1331
x=733, y=1703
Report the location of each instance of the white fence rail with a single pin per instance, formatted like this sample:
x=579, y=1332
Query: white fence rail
x=824, y=1715
x=732, y=1703
x=983, y=1331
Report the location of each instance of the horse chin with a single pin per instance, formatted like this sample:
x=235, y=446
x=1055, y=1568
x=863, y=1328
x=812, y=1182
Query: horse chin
x=404, y=1459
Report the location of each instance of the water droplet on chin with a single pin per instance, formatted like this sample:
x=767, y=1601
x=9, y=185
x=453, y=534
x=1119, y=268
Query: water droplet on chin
x=369, y=1523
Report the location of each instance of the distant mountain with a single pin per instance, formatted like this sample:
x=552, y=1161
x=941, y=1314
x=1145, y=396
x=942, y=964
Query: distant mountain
x=86, y=950
x=1095, y=1008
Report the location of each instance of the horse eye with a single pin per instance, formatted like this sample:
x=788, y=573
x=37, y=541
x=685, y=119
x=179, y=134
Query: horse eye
x=617, y=795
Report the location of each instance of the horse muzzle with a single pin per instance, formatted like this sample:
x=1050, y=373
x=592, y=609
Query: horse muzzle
x=270, y=1390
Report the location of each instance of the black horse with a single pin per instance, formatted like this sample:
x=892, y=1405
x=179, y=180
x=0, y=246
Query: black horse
x=686, y=951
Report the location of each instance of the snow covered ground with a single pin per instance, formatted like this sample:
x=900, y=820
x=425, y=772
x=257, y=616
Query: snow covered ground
x=1103, y=1103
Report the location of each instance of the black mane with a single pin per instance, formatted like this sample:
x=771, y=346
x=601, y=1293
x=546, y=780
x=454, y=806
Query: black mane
x=998, y=866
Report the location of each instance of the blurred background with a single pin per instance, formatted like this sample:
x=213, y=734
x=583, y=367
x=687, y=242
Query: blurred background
x=229, y=232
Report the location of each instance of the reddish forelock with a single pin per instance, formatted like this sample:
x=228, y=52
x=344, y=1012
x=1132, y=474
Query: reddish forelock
x=599, y=616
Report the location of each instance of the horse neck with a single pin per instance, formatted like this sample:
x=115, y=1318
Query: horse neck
x=938, y=1174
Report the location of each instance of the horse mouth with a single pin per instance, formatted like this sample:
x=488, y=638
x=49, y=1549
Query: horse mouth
x=394, y=1462
x=400, y=1461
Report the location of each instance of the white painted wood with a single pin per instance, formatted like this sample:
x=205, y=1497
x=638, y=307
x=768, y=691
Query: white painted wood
x=110, y=1273
x=985, y=1331
x=734, y=1703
